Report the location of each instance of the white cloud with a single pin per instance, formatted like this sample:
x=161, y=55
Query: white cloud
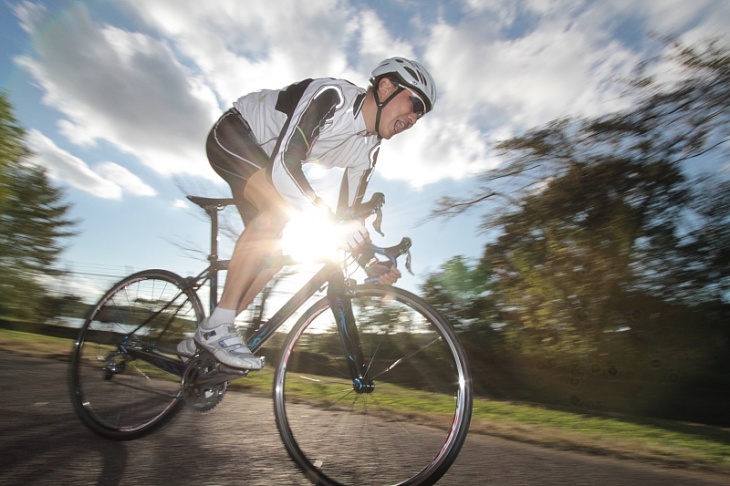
x=125, y=88
x=108, y=181
x=125, y=179
x=30, y=15
x=694, y=21
x=507, y=66
x=427, y=153
x=377, y=43
x=501, y=66
x=180, y=204
x=243, y=46
x=553, y=68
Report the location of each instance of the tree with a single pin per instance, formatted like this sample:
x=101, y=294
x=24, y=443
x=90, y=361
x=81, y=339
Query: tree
x=613, y=253
x=33, y=221
x=615, y=190
x=460, y=289
x=704, y=249
x=599, y=212
x=672, y=123
x=569, y=257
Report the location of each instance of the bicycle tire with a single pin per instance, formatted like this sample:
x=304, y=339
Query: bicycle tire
x=115, y=395
x=410, y=429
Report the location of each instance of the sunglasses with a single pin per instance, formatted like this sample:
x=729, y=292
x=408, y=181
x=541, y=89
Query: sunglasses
x=418, y=107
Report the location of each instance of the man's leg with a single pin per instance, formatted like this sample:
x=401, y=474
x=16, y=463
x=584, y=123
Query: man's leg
x=248, y=273
x=251, y=267
x=218, y=333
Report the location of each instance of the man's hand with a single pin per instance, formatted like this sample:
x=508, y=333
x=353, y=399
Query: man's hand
x=390, y=277
x=386, y=273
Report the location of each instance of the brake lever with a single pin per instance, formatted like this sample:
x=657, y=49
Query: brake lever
x=392, y=253
x=378, y=222
x=402, y=248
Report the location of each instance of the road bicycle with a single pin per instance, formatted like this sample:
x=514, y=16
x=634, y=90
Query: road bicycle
x=371, y=385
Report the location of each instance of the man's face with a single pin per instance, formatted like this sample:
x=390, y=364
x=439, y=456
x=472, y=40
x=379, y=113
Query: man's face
x=401, y=113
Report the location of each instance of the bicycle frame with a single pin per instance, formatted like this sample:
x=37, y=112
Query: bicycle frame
x=412, y=352
x=330, y=275
x=337, y=293
x=265, y=330
x=216, y=265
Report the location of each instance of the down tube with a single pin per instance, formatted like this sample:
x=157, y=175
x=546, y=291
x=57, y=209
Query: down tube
x=267, y=329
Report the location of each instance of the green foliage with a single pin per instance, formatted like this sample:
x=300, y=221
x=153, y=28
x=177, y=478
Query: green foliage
x=462, y=291
x=33, y=221
x=600, y=208
x=605, y=219
x=610, y=217
x=12, y=148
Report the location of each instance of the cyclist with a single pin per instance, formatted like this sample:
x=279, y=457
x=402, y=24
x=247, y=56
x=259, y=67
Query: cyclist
x=259, y=147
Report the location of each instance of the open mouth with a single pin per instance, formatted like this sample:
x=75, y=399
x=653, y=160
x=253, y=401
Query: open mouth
x=399, y=126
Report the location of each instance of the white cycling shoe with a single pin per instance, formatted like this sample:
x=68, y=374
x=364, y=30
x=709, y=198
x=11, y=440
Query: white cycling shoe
x=226, y=345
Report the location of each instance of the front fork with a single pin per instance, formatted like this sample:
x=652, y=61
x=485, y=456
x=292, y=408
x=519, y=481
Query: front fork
x=341, y=306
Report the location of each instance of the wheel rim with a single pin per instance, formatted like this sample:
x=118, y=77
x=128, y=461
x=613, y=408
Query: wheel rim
x=116, y=394
x=409, y=429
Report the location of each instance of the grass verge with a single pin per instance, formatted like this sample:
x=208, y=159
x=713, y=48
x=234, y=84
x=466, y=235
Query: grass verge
x=664, y=442
x=675, y=444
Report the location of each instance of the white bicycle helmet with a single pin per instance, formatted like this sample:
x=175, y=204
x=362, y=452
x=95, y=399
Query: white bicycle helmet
x=411, y=74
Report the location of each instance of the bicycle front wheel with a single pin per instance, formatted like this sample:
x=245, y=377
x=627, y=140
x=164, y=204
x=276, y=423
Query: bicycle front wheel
x=411, y=425
x=124, y=373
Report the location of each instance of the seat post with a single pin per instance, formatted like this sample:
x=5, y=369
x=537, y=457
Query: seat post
x=212, y=206
x=213, y=256
x=213, y=214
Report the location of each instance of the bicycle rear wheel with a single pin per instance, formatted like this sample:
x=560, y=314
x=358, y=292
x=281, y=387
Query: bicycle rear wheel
x=125, y=373
x=410, y=428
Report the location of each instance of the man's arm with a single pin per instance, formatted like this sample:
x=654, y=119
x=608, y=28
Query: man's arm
x=310, y=118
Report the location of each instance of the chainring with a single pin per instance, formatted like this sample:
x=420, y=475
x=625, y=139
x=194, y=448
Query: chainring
x=200, y=389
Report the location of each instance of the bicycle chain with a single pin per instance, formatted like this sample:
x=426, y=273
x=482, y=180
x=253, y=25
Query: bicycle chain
x=200, y=390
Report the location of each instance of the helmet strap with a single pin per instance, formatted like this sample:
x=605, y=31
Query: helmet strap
x=381, y=104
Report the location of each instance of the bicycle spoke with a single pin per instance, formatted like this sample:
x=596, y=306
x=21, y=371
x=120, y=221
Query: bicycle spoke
x=406, y=424
x=404, y=359
x=144, y=316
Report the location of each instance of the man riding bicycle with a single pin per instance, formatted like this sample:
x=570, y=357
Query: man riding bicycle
x=259, y=147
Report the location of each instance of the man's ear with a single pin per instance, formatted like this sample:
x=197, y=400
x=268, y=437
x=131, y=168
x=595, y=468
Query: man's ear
x=386, y=87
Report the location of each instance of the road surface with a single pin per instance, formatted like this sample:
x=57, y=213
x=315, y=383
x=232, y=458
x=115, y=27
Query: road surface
x=43, y=443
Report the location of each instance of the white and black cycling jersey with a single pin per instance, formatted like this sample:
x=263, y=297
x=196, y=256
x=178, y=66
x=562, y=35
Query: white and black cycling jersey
x=314, y=121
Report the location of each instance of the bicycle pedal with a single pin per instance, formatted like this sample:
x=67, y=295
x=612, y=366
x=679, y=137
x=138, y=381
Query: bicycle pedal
x=225, y=370
x=238, y=371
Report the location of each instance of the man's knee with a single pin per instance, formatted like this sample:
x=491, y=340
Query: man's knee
x=269, y=223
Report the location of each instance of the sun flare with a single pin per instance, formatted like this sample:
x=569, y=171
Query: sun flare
x=311, y=235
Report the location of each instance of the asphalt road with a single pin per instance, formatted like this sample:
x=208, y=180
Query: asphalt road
x=43, y=443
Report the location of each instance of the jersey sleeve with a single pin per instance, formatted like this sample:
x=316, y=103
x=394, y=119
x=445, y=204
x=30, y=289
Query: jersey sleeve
x=355, y=182
x=310, y=117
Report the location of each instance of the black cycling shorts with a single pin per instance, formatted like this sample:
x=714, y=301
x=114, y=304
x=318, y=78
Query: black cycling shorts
x=235, y=155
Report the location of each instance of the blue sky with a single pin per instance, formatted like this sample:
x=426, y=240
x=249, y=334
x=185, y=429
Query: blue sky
x=118, y=97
